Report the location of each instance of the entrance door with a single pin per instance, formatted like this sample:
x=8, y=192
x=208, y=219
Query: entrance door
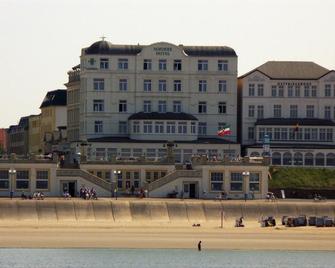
x=192, y=190
x=72, y=189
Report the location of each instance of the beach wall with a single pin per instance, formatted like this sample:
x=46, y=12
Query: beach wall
x=150, y=212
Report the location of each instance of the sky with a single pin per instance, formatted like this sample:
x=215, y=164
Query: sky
x=42, y=39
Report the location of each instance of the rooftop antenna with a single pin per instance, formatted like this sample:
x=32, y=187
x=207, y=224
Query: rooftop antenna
x=103, y=38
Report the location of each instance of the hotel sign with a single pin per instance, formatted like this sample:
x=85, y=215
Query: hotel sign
x=163, y=51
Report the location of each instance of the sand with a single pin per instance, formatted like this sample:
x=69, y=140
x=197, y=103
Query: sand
x=252, y=238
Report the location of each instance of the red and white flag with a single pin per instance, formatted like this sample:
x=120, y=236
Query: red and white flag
x=224, y=132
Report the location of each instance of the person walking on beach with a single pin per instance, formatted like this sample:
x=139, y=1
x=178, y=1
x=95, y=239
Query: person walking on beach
x=199, y=246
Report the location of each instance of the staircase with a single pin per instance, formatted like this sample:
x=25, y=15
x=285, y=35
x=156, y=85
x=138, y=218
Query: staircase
x=85, y=175
x=173, y=176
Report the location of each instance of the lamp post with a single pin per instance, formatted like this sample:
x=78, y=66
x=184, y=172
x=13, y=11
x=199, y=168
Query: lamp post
x=245, y=175
x=116, y=178
x=12, y=173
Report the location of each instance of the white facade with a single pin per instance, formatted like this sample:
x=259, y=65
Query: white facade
x=293, y=104
x=183, y=96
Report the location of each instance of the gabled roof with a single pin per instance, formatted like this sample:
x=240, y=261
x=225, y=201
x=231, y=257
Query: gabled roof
x=295, y=121
x=162, y=116
x=54, y=98
x=107, y=48
x=290, y=70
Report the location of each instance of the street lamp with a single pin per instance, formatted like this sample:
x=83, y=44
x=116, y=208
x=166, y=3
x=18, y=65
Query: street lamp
x=12, y=173
x=245, y=175
x=116, y=179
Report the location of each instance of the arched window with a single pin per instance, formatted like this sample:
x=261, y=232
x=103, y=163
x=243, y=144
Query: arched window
x=309, y=159
x=320, y=159
x=254, y=154
x=330, y=159
x=298, y=159
x=276, y=158
x=287, y=158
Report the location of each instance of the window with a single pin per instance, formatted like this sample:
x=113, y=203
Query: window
x=137, y=152
x=314, y=93
x=202, y=85
x=147, y=85
x=123, y=127
x=281, y=91
x=159, y=127
x=251, y=90
x=276, y=110
x=276, y=158
x=22, y=179
x=327, y=90
x=283, y=134
x=177, y=106
x=254, y=181
x=217, y=181
x=322, y=134
x=4, y=179
x=98, y=105
x=147, y=127
x=177, y=65
x=182, y=127
x=251, y=110
x=222, y=108
x=223, y=65
x=260, y=111
x=202, y=128
x=274, y=91
x=251, y=133
x=147, y=64
x=329, y=134
x=136, y=127
x=277, y=133
x=223, y=86
x=327, y=112
x=236, y=181
x=98, y=126
x=123, y=85
x=162, y=65
x=104, y=64
x=170, y=127
x=42, y=180
x=310, y=111
x=287, y=159
x=202, y=107
x=314, y=134
x=297, y=159
x=162, y=85
x=123, y=64
x=202, y=65
x=306, y=91
x=122, y=106
x=307, y=134
x=260, y=90
x=290, y=91
x=151, y=152
x=221, y=125
x=193, y=127
x=177, y=85
x=162, y=106
x=111, y=152
x=147, y=106
x=293, y=111
x=98, y=84
x=309, y=159
x=297, y=91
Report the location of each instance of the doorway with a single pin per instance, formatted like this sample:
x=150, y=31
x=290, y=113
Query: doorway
x=192, y=190
x=70, y=187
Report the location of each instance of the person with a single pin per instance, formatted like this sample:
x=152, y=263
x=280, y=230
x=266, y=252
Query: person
x=132, y=189
x=199, y=246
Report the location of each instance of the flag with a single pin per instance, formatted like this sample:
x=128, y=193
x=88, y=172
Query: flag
x=224, y=132
x=296, y=128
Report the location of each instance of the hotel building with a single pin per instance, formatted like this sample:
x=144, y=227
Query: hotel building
x=288, y=111
x=132, y=100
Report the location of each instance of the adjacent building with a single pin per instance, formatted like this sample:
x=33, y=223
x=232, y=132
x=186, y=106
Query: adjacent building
x=288, y=111
x=18, y=137
x=3, y=140
x=34, y=134
x=132, y=100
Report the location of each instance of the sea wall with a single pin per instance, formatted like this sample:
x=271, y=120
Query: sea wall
x=150, y=212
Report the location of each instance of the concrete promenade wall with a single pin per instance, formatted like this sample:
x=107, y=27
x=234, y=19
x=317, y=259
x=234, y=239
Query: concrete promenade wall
x=150, y=212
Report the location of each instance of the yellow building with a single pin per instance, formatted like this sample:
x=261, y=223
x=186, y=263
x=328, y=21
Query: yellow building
x=34, y=134
x=53, y=115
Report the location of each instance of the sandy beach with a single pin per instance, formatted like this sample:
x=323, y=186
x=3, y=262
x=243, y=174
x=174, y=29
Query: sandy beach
x=253, y=238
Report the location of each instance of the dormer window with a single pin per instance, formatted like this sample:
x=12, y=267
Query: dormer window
x=104, y=63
